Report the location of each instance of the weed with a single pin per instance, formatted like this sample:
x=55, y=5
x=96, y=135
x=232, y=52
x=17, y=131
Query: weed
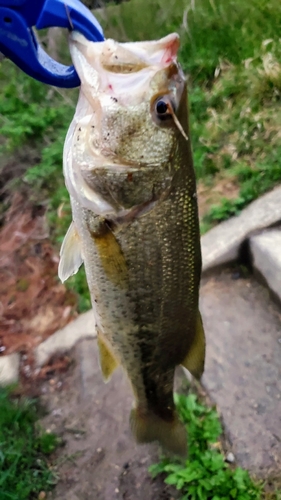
x=25, y=469
x=79, y=284
x=211, y=31
x=205, y=475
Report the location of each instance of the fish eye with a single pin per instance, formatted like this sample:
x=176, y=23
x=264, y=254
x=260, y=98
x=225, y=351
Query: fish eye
x=163, y=108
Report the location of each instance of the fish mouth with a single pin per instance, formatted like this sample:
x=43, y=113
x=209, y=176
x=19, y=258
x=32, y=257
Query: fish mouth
x=129, y=56
x=117, y=68
x=115, y=76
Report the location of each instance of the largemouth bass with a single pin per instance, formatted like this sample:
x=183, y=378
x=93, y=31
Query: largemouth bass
x=128, y=169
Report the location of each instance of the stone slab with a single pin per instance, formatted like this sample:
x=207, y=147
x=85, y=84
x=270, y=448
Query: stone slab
x=64, y=339
x=222, y=243
x=266, y=254
x=9, y=369
x=243, y=367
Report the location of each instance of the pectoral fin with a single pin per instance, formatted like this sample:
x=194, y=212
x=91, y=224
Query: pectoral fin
x=108, y=361
x=70, y=254
x=195, y=358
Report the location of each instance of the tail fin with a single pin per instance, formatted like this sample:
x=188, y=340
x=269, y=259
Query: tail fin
x=149, y=427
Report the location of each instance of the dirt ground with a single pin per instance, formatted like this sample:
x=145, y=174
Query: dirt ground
x=99, y=460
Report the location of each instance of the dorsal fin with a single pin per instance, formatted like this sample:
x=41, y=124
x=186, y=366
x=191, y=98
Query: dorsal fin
x=70, y=254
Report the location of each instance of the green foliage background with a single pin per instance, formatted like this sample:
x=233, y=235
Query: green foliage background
x=24, y=467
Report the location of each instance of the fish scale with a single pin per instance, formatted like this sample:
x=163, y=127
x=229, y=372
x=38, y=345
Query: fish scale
x=135, y=227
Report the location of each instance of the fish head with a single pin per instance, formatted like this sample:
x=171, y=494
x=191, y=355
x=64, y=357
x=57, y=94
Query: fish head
x=130, y=118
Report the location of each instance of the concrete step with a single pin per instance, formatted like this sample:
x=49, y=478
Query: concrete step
x=243, y=366
x=222, y=244
x=266, y=255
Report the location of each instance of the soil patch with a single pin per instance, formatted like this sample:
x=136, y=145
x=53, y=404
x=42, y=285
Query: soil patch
x=33, y=303
x=100, y=460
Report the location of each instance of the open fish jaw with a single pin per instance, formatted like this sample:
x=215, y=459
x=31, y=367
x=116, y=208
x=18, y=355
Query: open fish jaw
x=119, y=69
x=112, y=134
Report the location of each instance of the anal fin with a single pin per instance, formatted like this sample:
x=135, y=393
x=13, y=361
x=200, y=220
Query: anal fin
x=108, y=360
x=195, y=359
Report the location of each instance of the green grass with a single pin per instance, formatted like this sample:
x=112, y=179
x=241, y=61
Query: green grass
x=25, y=468
x=206, y=475
x=210, y=30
